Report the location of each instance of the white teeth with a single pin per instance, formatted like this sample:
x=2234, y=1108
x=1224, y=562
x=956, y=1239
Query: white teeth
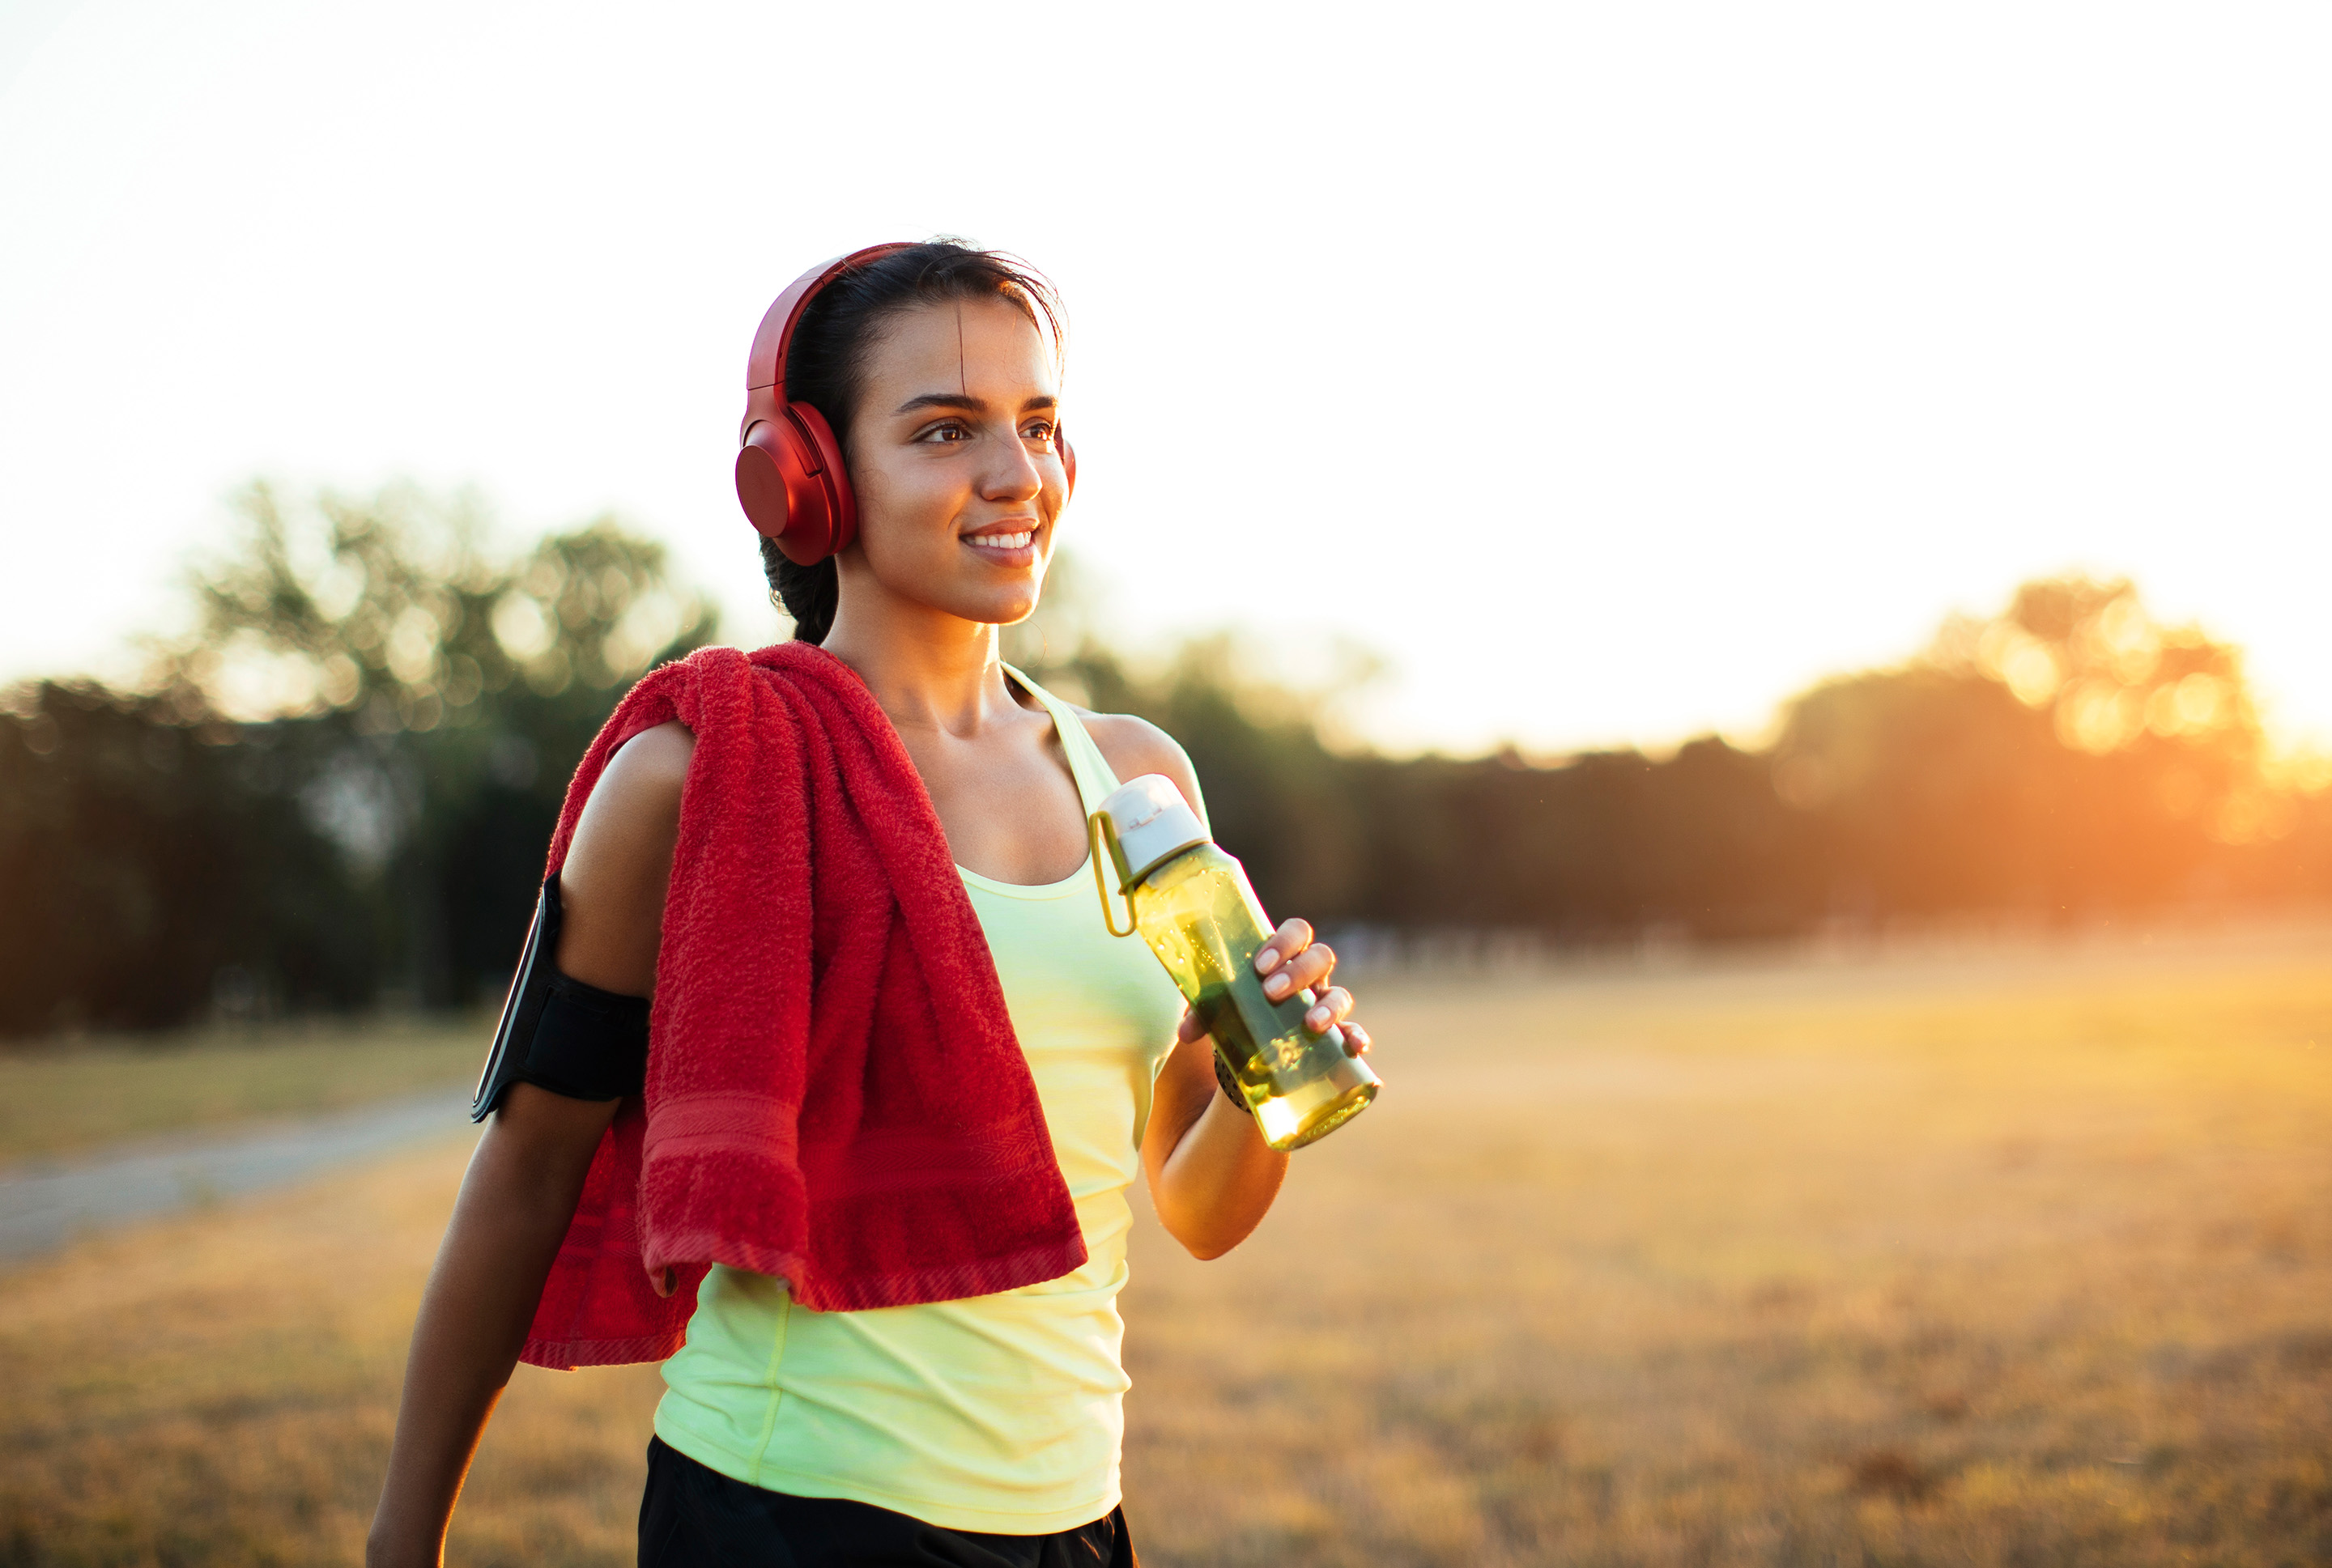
x=1003, y=541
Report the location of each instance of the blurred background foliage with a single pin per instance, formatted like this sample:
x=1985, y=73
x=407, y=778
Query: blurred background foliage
x=334, y=790
x=2068, y=761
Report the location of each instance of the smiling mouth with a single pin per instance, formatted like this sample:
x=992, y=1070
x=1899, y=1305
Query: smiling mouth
x=1003, y=541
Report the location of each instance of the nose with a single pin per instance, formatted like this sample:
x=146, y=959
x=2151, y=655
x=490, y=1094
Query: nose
x=1013, y=474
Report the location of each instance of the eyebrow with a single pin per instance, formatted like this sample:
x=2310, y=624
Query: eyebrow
x=968, y=405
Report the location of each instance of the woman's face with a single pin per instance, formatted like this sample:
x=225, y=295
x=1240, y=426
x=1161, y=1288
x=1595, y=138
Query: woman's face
x=952, y=456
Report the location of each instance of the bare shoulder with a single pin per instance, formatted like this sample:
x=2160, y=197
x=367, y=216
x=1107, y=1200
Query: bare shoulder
x=650, y=767
x=1133, y=747
x=636, y=803
x=617, y=870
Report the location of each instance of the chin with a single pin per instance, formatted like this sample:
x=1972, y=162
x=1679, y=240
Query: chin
x=989, y=608
x=998, y=604
x=1010, y=613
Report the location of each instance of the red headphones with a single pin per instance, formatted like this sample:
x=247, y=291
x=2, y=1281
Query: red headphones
x=790, y=477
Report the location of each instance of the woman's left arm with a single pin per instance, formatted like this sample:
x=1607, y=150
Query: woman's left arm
x=1212, y=1177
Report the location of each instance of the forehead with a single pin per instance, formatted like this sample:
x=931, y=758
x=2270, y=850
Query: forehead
x=985, y=346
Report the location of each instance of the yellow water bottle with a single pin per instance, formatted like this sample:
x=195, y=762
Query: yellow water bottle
x=1192, y=904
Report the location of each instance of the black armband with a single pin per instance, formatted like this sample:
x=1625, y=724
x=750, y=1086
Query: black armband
x=559, y=1033
x=1229, y=1080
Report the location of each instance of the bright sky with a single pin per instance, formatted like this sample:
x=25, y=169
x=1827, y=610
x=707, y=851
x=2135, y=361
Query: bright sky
x=1611, y=370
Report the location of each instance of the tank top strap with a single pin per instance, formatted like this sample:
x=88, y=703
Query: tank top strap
x=1095, y=781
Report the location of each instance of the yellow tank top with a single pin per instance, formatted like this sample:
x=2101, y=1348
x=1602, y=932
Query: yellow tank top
x=999, y=1414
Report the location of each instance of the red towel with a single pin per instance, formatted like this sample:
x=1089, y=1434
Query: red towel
x=833, y=1090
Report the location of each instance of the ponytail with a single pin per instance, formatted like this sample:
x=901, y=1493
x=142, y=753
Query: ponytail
x=807, y=593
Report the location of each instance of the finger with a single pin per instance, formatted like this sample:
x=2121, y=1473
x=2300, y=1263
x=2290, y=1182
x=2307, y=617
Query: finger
x=1329, y=1010
x=1190, y=1028
x=1292, y=938
x=1310, y=968
x=1356, y=1039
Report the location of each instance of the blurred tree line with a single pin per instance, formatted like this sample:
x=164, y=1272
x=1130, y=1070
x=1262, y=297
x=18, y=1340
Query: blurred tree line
x=2068, y=760
x=335, y=787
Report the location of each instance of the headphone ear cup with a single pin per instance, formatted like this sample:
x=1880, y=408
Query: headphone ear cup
x=840, y=504
x=761, y=488
x=784, y=481
x=1068, y=461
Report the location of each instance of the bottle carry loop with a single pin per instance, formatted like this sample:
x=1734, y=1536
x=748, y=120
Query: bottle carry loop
x=1101, y=833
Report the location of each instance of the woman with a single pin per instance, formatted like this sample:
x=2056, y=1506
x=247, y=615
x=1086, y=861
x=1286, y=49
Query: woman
x=982, y=1429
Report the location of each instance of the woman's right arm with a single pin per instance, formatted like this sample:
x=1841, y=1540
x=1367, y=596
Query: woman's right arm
x=520, y=1193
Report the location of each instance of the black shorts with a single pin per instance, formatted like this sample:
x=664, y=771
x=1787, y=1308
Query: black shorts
x=694, y=1517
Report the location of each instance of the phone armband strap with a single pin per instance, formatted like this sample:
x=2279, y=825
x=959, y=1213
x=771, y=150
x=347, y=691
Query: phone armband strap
x=559, y=1033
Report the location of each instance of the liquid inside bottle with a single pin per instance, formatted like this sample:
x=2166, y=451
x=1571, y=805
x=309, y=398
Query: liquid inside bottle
x=1200, y=916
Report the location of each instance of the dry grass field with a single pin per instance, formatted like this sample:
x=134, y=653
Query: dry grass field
x=2020, y=1259
x=58, y=1099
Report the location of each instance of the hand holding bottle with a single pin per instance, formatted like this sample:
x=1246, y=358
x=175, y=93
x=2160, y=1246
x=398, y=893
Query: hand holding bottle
x=1295, y=960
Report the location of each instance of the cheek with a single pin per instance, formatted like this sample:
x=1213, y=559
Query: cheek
x=904, y=505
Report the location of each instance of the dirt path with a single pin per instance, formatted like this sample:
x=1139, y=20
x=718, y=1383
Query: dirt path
x=45, y=1203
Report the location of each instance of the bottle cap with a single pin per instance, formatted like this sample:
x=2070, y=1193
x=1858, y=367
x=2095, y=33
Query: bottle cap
x=1151, y=823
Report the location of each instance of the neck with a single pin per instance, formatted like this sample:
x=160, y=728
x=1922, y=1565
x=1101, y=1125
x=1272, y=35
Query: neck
x=930, y=670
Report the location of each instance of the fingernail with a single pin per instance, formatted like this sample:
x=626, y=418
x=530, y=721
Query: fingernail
x=1317, y=1019
x=1266, y=960
x=1276, y=986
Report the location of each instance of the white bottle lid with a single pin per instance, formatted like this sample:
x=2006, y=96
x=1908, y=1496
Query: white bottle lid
x=1152, y=822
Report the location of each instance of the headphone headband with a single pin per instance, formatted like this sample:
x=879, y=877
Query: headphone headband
x=765, y=367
